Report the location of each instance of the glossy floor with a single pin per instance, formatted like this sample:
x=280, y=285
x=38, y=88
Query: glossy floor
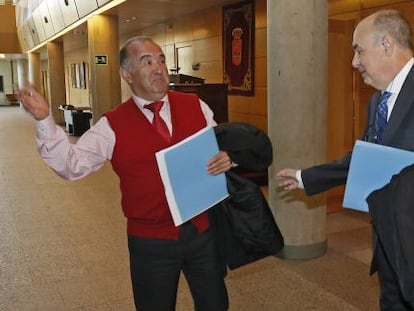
x=63, y=246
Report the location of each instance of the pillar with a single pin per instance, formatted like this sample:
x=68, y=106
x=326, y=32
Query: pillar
x=297, y=53
x=56, y=69
x=34, y=71
x=22, y=75
x=103, y=49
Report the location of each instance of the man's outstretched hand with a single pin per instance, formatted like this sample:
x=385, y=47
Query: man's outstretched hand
x=32, y=101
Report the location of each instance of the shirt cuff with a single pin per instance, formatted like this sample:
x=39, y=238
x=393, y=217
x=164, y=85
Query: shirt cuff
x=46, y=128
x=299, y=179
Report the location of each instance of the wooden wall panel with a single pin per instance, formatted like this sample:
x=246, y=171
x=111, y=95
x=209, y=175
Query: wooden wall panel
x=340, y=112
x=8, y=31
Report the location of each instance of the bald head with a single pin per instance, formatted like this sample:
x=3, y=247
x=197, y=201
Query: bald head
x=383, y=45
x=393, y=24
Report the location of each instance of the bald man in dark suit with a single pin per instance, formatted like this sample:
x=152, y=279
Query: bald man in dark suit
x=383, y=54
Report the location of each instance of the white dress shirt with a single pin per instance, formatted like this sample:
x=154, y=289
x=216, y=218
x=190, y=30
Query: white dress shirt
x=394, y=88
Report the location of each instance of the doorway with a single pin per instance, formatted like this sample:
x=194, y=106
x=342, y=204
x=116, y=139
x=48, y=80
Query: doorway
x=343, y=103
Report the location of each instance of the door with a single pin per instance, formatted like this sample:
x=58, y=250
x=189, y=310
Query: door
x=185, y=59
x=342, y=114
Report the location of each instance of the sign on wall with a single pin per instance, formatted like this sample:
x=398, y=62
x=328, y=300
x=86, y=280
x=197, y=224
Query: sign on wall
x=101, y=59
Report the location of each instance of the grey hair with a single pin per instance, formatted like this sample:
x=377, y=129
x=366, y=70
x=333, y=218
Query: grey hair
x=392, y=22
x=123, y=52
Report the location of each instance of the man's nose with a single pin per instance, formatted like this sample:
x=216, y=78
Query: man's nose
x=355, y=61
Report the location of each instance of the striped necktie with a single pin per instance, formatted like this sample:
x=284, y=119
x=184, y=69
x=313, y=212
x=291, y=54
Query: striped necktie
x=381, y=116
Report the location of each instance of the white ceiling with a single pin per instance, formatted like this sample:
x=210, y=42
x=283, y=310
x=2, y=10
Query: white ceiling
x=138, y=14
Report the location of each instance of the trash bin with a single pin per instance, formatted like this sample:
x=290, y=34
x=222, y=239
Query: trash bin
x=81, y=122
x=67, y=115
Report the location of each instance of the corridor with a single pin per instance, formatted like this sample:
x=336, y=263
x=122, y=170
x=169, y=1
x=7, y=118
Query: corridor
x=63, y=246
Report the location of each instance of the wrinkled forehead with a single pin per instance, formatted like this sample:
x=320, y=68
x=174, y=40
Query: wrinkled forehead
x=141, y=48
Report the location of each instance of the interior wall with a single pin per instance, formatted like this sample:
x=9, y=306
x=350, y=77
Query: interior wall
x=78, y=97
x=200, y=36
x=5, y=71
x=76, y=51
x=346, y=9
x=8, y=32
x=253, y=109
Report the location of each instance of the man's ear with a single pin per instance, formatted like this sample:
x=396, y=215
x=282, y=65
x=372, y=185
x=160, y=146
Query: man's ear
x=388, y=45
x=125, y=75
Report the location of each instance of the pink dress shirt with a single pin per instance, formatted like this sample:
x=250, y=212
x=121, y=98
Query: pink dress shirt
x=76, y=160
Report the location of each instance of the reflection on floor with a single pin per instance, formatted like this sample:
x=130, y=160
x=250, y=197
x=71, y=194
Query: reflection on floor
x=63, y=246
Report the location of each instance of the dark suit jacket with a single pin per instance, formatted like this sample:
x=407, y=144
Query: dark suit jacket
x=399, y=133
x=243, y=223
x=392, y=214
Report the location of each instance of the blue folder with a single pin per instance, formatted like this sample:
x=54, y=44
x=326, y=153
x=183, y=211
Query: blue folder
x=372, y=167
x=189, y=189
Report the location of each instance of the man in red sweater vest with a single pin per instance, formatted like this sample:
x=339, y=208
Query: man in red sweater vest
x=127, y=136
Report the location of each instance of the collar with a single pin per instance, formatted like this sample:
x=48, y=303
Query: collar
x=141, y=102
x=397, y=83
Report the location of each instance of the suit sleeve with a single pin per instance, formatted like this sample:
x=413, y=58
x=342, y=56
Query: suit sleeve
x=323, y=177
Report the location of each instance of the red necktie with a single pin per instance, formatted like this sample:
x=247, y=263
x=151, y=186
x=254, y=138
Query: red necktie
x=158, y=122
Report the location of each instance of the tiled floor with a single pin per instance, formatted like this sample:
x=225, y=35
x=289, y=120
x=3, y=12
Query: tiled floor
x=63, y=246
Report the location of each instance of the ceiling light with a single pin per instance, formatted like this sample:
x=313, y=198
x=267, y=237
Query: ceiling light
x=130, y=19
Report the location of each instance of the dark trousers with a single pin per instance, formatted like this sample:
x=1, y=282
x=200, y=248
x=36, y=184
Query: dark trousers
x=390, y=296
x=156, y=265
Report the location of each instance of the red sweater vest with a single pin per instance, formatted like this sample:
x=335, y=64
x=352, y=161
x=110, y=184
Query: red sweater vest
x=136, y=142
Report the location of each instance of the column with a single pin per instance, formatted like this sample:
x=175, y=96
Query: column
x=297, y=54
x=57, y=89
x=21, y=72
x=34, y=70
x=105, y=82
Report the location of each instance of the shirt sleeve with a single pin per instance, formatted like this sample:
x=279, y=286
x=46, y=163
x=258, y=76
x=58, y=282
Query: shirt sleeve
x=74, y=160
x=208, y=113
x=299, y=179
